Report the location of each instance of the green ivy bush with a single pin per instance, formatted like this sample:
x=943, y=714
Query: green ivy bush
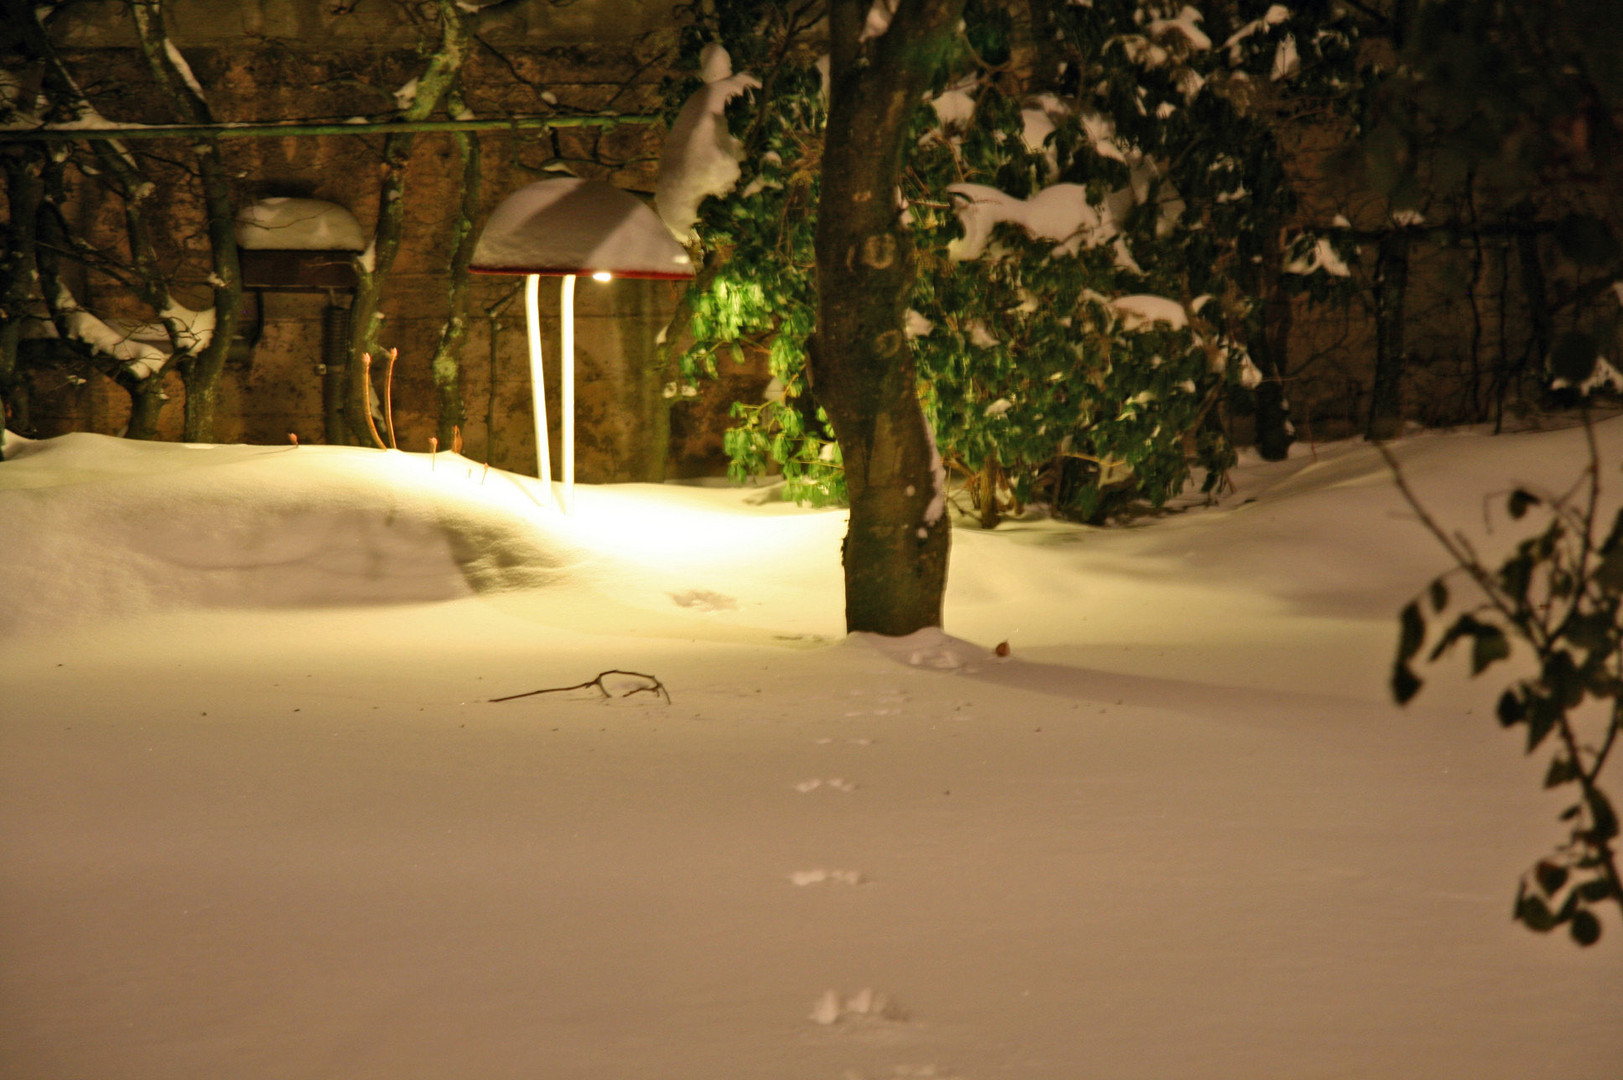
x=1041, y=381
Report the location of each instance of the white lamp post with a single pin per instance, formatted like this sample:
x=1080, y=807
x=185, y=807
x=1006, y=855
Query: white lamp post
x=565, y=227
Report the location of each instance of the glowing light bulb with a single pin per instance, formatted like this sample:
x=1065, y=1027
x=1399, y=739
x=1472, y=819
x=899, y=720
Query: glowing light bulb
x=602, y=275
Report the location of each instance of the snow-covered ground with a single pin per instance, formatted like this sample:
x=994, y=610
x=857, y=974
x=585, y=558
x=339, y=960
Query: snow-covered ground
x=259, y=818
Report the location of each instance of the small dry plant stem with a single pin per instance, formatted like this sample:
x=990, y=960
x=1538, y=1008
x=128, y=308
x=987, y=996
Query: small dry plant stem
x=388, y=396
x=366, y=372
x=654, y=686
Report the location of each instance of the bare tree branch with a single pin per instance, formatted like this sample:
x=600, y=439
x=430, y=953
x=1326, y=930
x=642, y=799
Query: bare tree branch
x=653, y=686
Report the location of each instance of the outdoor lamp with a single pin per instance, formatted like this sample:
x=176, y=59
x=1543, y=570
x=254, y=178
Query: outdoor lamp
x=565, y=227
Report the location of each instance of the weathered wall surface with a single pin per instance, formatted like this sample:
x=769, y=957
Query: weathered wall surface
x=275, y=59
x=1469, y=319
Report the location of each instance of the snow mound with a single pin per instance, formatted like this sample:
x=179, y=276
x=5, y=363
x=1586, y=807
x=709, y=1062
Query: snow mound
x=109, y=527
x=286, y=224
x=931, y=648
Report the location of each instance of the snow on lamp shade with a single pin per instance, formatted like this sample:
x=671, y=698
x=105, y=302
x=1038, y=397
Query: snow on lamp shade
x=287, y=224
x=564, y=227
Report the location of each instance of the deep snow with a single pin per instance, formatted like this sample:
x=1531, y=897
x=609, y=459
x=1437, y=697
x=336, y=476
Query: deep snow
x=259, y=818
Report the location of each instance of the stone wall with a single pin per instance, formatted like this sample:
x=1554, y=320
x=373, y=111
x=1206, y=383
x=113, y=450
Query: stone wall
x=273, y=59
x=1468, y=319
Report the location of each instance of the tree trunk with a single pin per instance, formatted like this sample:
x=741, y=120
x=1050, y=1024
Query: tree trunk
x=1391, y=283
x=446, y=364
x=988, y=492
x=123, y=174
x=1269, y=351
x=863, y=370
x=1535, y=288
x=18, y=279
x=201, y=372
x=146, y=404
x=50, y=240
x=371, y=274
x=372, y=269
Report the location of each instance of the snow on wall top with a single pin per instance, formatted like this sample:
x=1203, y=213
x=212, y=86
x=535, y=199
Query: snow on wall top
x=700, y=157
x=572, y=226
x=285, y=224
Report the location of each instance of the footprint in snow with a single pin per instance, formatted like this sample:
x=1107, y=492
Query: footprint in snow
x=865, y=1005
x=835, y=783
x=704, y=600
x=818, y=877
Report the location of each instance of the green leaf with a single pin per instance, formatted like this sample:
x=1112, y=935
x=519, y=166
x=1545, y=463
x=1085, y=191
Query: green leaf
x=1550, y=877
x=1541, y=716
x=1573, y=356
x=1609, y=574
x=1536, y=914
x=1604, y=817
x=1596, y=890
x=1560, y=772
x=1560, y=676
x=1405, y=683
x=1590, y=632
x=1517, y=574
x=1585, y=928
x=1519, y=501
x=1490, y=646
x=1412, y=634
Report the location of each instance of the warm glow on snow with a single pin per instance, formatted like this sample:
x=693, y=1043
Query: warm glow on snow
x=252, y=783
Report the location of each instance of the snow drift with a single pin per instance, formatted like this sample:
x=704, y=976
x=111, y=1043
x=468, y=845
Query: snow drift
x=260, y=818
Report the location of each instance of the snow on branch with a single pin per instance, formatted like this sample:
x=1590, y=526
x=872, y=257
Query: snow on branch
x=182, y=68
x=142, y=358
x=1061, y=213
x=701, y=156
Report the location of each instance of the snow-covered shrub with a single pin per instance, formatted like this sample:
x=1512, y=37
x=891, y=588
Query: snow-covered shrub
x=1087, y=195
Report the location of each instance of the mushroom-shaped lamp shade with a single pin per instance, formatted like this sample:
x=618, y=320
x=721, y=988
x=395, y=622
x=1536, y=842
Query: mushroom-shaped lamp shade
x=564, y=227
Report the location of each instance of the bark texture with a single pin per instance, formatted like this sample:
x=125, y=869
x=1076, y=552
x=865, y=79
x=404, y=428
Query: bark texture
x=1391, y=285
x=18, y=280
x=862, y=367
x=1270, y=350
x=372, y=274
x=446, y=364
x=201, y=372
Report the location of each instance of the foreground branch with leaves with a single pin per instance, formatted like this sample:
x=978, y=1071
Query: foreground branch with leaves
x=1559, y=593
